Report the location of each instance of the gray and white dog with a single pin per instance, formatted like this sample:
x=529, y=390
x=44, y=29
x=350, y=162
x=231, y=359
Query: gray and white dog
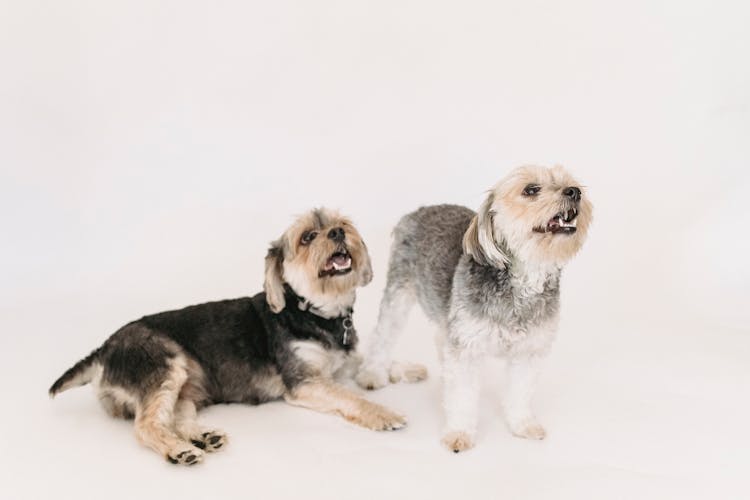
x=490, y=280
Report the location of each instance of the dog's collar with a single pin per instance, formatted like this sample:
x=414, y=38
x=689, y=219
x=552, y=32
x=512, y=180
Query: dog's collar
x=344, y=320
x=305, y=304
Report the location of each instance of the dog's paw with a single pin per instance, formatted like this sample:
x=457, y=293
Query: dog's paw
x=457, y=441
x=185, y=455
x=210, y=441
x=371, y=378
x=528, y=429
x=407, y=372
x=378, y=418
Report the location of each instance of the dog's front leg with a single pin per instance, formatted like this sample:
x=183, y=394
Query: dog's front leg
x=326, y=396
x=461, y=387
x=523, y=373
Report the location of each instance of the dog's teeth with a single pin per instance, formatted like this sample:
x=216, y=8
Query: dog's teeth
x=345, y=265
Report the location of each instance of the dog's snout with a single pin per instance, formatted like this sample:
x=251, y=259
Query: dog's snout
x=336, y=234
x=573, y=193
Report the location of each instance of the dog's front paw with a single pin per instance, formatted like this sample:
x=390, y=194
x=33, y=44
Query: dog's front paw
x=371, y=378
x=407, y=372
x=528, y=429
x=210, y=441
x=378, y=418
x=185, y=455
x=457, y=441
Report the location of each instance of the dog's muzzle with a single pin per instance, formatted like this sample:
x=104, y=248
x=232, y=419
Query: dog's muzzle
x=340, y=262
x=561, y=223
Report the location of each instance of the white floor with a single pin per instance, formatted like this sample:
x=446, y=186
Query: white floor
x=630, y=412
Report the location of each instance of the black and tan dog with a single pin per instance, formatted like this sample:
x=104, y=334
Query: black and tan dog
x=291, y=341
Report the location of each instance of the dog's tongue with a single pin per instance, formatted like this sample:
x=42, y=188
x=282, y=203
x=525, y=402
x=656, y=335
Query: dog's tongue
x=340, y=260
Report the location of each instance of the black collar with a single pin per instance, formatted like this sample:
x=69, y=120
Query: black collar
x=339, y=329
x=291, y=297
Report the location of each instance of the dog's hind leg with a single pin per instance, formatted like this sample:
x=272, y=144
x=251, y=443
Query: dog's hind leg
x=155, y=417
x=378, y=368
x=186, y=425
x=398, y=298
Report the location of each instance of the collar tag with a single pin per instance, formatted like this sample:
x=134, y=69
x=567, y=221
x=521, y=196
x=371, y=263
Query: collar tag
x=348, y=325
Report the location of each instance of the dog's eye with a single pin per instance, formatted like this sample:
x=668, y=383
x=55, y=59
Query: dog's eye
x=532, y=189
x=307, y=237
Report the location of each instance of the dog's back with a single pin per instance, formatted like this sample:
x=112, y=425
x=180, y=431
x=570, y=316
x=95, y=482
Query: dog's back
x=425, y=251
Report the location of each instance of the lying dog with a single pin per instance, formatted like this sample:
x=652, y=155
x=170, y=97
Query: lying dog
x=291, y=341
x=490, y=281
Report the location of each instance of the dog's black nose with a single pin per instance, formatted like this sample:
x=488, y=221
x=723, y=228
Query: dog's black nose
x=336, y=234
x=573, y=193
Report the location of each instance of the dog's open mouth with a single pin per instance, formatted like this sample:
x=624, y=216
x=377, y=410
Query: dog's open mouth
x=562, y=223
x=337, y=264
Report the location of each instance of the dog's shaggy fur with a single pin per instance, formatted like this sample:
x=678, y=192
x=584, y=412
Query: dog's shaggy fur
x=490, y=280
x=291, y=341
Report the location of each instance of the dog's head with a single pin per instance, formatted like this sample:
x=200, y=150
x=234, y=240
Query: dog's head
x=322, y=258
x=538, y=214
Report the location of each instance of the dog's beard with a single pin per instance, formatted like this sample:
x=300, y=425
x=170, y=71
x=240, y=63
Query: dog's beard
x=326, y=275
x=553, y=238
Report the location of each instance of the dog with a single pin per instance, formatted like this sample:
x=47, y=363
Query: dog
x=291, y=341
x=490, y=280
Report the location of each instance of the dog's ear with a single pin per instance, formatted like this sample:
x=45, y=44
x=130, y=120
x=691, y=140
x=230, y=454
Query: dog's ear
x=479, y=240
x=273, y=284
x=365, y=272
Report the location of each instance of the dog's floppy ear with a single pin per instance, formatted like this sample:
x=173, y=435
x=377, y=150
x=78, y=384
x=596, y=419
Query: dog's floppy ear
x=479, y=240
x=365, y=272
x=274, y=280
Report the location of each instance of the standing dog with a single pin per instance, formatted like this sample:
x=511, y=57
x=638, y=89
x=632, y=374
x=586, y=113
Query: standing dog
x=290, y=341
x=491, y=282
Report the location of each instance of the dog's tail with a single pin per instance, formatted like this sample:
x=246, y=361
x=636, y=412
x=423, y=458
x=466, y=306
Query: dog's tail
x=80, y=374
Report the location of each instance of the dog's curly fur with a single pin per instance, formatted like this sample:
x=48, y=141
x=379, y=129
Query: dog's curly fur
x=490, y=280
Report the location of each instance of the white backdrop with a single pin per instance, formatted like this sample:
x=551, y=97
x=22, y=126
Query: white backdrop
x=151, y=150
